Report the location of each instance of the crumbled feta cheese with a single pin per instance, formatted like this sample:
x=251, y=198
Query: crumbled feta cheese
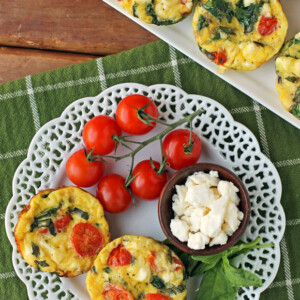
x=197, y=240
x=229, y=190
x=180, y=229
x=266, y=10
x=200, y=195
x=177, y=205
x=195, y=219
x=143, y=274
x=181, y=191
x=205, y=210
x=220, y=239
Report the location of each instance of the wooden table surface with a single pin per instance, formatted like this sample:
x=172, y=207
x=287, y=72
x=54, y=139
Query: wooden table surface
x=41, y=35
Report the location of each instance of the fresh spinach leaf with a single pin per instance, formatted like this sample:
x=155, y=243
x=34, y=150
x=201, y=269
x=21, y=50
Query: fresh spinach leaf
x=83, y=214
x=248, y=15
x=157, y=282
x=291, y=79
x=220, y=9
x=215, y=285
x=202, y=22
x=240, y=277
x=35, y=249
x=296, y=41
x=107, y=270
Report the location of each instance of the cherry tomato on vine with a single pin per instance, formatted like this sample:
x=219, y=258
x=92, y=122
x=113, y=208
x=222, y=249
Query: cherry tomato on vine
x=127, y=114
x=97, y=134
x=86, y=239
x=147, y=184
x=177, y=151
x=112, y=193
x=267, y=25
x=83, y=172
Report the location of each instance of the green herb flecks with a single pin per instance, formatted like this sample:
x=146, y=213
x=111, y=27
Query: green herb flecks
x=220, y=9
x=133, y=260
x=41, y=263
x=296, y=110
x=174, y=290
x=291, y=79
x=93, y=270
x=157, y=282
x=83, y=214
x=49, y=212
x=107, y=270
x=297, y=95
x=151, y=12
x=134, y=10
x=35, y=249
x=296, y=41
x=208, y=54
x=39, y=223
x=141, y=296
x=202, y=23
x=226, y=30
x=248, y=15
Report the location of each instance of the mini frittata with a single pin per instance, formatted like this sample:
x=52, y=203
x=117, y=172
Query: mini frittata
x=62, y=231
x=137, y=267
x=159, y=12
x=287, y=66
x=239, y=34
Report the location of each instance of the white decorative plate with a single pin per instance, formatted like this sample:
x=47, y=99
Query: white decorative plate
x=225, y=142
x=258, y=84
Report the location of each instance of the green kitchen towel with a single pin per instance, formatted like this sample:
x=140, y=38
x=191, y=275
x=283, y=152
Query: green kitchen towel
x=29, y=103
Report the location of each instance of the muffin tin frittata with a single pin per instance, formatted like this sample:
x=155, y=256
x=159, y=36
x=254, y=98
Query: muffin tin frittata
x=239, y=34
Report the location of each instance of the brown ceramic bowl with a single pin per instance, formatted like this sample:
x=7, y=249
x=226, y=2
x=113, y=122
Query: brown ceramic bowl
x=165, y=211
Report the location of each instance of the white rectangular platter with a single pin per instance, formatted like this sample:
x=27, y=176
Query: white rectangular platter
x=258, y=84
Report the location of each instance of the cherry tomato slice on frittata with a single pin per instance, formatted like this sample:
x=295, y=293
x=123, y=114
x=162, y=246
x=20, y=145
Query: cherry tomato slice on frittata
x=220, y=57
x=86, y=239
x=119, y=256
x=267, y=25
x=62, y=223
x=116, y=293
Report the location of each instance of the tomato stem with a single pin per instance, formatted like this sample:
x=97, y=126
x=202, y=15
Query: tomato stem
x=159, y=136
x=189, y=147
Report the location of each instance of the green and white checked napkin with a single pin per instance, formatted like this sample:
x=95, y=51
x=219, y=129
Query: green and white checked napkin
x=29, y=103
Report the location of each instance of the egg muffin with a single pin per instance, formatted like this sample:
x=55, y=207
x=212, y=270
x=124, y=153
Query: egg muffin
x=239, y=34
x=137, y=267
x=62, y=231
x=159, y=12
x=287, y=67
